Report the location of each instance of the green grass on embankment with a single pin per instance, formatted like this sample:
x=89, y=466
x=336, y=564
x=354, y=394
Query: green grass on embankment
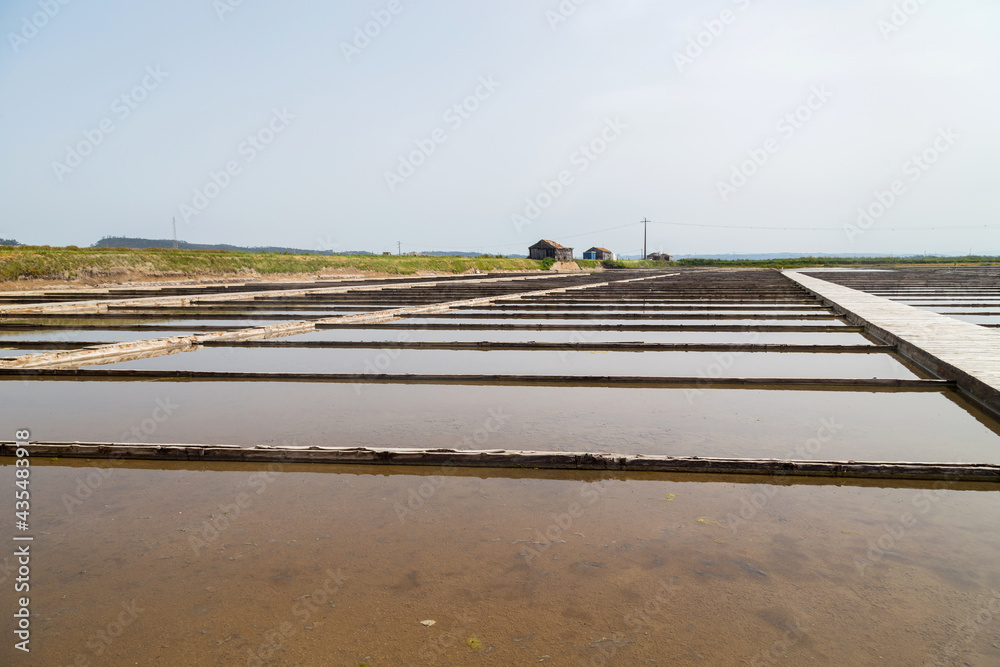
x=51, y=263
x=122, y=264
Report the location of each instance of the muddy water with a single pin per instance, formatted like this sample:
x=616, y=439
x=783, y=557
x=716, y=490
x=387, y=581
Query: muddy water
x=908, y=426
x=536, y=362
x=225, y=565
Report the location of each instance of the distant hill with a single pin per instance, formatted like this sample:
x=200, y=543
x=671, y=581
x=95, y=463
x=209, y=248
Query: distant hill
x=446, y=253
x=129, y=242
x=456, y=253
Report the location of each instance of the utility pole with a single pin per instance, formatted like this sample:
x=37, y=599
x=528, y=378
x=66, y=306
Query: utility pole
x=399, y=248
x=175, y=233
x=645, y=222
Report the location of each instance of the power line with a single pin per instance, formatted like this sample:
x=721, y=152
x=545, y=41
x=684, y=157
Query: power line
x=873, y=228
x=820, y=229
x=522, y=242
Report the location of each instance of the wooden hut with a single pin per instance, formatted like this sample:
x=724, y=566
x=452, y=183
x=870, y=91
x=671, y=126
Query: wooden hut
x=598, y=252
x=546, y=248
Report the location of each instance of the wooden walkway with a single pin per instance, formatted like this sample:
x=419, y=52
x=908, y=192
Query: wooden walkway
x=955, y=350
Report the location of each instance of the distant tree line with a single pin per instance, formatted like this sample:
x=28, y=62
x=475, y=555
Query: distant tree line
x=131, y=242
x=8, y=242
x=141, y=243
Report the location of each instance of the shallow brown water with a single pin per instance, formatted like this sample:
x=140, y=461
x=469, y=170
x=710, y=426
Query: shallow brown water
x=234, y=565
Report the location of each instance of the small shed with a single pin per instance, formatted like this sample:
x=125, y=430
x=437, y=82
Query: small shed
x=546, y=248
x=598, y=252
x=660, y=257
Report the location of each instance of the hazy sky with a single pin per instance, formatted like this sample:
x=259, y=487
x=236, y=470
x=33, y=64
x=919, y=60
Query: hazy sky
x=487, y=125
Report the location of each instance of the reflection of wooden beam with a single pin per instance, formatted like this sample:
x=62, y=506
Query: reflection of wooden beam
x=825, y=384
x=959, y=472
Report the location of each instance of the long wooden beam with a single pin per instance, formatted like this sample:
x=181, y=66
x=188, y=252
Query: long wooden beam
x=957, y=472
x=829, y=384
